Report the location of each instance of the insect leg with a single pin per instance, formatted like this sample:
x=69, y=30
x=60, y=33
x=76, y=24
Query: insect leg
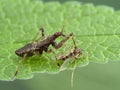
x=77, y=51
x=51, y=50
x=54, y=55
x=57, y=46
x=62, y=30
x=19, y=66
x=74, y=42
x=58, y=64
x=39, y=54
x=35, y=37
x=42, y=34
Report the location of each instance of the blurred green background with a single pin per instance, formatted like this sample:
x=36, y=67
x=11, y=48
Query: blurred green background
x=92, y=77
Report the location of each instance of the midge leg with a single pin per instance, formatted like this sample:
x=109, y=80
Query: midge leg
x=77, y=51
x=51, y=50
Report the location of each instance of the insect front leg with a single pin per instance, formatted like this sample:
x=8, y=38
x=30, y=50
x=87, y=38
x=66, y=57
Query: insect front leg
x=42, y=35
x=49, y=51
x=55, y=56
x=60, y=44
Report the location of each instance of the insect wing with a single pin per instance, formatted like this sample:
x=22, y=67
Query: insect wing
x=66, y=64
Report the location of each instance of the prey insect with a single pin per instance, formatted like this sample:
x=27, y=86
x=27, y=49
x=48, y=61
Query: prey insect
x=73, y=55
x=40, y=46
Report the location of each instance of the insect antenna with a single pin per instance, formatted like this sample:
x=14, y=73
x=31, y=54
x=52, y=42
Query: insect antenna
x=64, y=23
x=42, y=34
x=62, y=30
x=35, y=36
x=19, y=66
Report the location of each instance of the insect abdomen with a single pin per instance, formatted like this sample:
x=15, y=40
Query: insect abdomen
x=27, y=49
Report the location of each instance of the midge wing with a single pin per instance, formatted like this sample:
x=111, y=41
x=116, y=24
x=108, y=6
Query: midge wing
x=66, y=63
x=65, y=66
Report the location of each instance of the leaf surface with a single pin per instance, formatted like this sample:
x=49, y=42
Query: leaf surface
x=97, y=31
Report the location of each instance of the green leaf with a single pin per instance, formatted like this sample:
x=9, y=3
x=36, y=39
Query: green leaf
x=97, y=31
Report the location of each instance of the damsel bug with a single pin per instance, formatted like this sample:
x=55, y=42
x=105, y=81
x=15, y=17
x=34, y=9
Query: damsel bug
x=37, y=47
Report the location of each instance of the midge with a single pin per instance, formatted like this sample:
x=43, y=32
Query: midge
x=72, y=54
x=37, y=47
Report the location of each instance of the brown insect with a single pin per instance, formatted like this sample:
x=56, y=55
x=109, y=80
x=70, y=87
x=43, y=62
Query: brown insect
x=73, y=54
x=37, y=47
